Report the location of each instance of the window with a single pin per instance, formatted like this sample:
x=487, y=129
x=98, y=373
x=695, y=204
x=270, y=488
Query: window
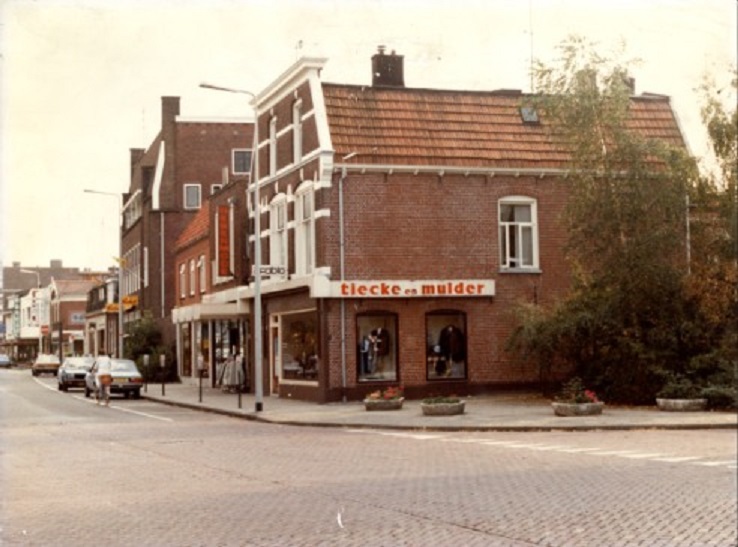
x=304, y=235
x=193, y=280
x=518, y=233
x=215, y=187
x=445, y=333
x=377, y=351
x=145, y=266
x=192, y=197
x=241, y=164
x=297, y=130
x=202, y=274
x=299, y=355
x=278, y=233
x=272, y=146
x=182, y=281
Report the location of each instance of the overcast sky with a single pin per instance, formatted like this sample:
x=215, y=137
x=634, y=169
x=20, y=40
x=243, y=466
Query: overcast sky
x=82, y=81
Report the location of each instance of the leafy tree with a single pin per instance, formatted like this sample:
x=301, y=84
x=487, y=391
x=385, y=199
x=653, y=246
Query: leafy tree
x=626, y=219
x=144, y=338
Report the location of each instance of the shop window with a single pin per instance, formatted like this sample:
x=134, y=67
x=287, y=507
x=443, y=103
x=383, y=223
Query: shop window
x=377, y=351
x=445, y=333
x=299, y=339
x=518, y=233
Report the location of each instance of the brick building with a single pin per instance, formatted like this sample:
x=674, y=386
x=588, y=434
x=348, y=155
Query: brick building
x=188, y=161
x=410, y=223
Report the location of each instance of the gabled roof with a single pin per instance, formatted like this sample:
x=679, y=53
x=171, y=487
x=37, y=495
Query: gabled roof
x=74, y=287
x=405, y=126
x=197, y=229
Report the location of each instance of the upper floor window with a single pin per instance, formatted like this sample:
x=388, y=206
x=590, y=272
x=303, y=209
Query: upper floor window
x=241, y=161
x=518, y=233
x=297, y=130
x=215, y=187
x=273, y=146
x=193, y=279
x=192, y=196
x=182, y=281
x=278, y=232
x=201, y=270
x=304, y=232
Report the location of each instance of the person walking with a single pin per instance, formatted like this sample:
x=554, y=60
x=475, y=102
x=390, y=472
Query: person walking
x=103, y=379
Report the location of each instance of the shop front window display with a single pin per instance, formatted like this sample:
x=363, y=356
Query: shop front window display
x=377, y=351
x=446, y=345
x=299, y=346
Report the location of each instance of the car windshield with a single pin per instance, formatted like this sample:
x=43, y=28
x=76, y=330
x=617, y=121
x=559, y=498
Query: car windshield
x=123, y=365
x=81, y=363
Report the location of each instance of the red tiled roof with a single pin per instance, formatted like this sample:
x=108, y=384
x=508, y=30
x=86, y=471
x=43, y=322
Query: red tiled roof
x=404, y=126
x=197, y=229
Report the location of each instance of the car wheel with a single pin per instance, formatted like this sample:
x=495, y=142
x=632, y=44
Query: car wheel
x=137, y=394
x=59, y=386
x=64, y=387
x=34, y=373
x=127, y=394
x=87, y=392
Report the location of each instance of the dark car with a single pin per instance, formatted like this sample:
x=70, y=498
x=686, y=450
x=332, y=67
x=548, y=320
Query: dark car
x=73, y=371
x=127, y=380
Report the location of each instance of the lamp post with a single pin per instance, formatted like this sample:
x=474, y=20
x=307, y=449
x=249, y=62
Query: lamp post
x=258, y=350
x=38, y=311
x=120, y=265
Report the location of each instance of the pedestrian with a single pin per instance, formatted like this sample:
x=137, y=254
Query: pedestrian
x=103, y=379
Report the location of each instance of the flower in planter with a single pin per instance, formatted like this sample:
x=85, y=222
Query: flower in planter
x=389, y=394
x=574, y=392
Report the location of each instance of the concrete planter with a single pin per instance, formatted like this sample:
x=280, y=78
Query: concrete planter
x=681, y=405
x=442, y=409
x=383, y=404
x=577, y=409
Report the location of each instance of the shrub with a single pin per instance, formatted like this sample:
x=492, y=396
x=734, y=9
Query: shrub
x=720, y=397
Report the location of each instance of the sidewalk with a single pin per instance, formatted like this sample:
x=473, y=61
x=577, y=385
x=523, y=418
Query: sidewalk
x=502, y=412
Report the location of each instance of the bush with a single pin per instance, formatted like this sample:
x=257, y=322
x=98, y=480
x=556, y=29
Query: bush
x=720, y=397
x=679, y=387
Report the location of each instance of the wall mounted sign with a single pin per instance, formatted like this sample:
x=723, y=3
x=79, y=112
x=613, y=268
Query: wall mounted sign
x=425, y=288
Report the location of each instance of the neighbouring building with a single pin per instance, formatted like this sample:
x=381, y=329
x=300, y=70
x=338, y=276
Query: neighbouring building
x=409, y=224
x=101, y=318
x=171, y=180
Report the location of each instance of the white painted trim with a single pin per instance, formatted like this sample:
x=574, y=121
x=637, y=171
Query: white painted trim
x=156, y=190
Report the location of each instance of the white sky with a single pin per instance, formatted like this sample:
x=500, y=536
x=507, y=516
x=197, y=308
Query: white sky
x=82, y=81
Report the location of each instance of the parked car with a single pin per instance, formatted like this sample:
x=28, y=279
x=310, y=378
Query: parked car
x=45, y=363
x=5, y=361
x=72, y=372
x=126, y=378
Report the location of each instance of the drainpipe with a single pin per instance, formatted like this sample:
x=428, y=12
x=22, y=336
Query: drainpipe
x=161, y=258
x=342, y=246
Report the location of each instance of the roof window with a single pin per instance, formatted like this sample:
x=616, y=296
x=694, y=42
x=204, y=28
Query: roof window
x=529, y=115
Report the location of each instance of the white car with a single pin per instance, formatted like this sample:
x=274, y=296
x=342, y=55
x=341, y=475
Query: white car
x=73, y=371
x=45, y=363
x=126, y=378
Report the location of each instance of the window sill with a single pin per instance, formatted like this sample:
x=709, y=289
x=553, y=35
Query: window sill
x=536, y=271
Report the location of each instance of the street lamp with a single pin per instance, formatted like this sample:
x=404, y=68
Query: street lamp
x=38, y=311
x=258, y=350
x=119, y=197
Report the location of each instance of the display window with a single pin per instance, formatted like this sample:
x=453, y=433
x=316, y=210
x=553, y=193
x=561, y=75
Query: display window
x=377, y=351
x=446, y=345
x=299, y=355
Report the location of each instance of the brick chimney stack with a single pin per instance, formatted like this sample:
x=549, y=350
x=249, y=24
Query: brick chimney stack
x=387, y=70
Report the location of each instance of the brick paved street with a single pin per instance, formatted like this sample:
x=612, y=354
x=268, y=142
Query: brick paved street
x=139, y=473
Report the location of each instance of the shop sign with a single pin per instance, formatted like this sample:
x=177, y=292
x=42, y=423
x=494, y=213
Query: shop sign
x=426, y=288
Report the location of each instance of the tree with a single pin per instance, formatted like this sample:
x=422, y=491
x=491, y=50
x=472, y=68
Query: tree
x=626, y=219
x=144, y=338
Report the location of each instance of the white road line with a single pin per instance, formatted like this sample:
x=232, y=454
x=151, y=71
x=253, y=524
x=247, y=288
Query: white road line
x=677, y=459
x=612, y=453
x=577, y=450
x=714, y=464
x=641, y=456
x=122, y=409
x=54, y=389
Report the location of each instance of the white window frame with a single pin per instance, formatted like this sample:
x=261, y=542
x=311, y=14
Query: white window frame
x=297, y=131
x=185, y=205
x=273, y=146
x=515, y=231
x=193, y=279
x=278, y=231
x=215, y=187
x=182, y=280
x=304, y=230
x=202, y=272
x=233, y=161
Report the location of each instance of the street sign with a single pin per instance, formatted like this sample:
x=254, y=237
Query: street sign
x=270, y=270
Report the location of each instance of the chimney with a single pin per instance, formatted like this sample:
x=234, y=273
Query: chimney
x=387, y=70
x=169, y=109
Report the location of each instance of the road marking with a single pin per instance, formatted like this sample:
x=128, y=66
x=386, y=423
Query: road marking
x=42, y=384
x=677, y=459
x=577, y=450
x=122, y=409
x=715, y=464
x=637, y=456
